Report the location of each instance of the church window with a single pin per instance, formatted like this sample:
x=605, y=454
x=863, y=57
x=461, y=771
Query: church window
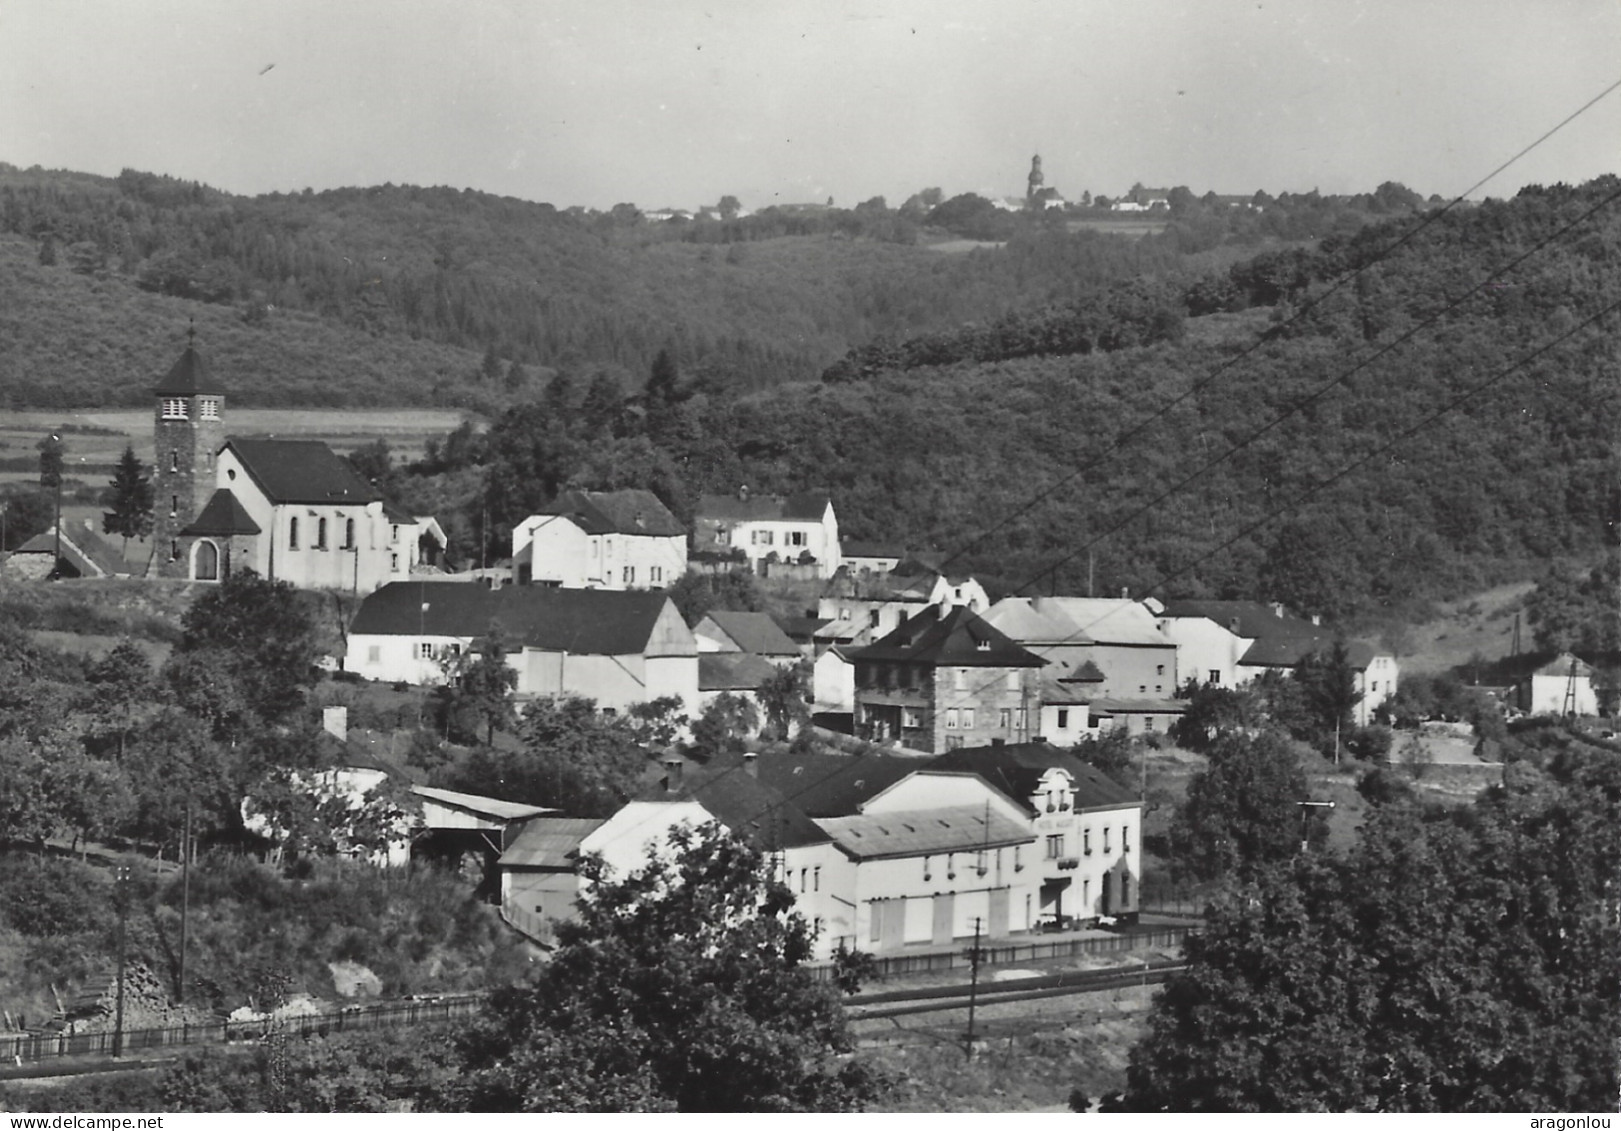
x=174, y=505
x=174, y=408
x=320, y=534
x=348, y=534
x=174, y=460
x=208, y=408
x=174, y=550
x=292, y=533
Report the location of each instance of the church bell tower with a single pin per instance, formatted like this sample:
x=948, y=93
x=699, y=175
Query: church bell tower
x=188, y=430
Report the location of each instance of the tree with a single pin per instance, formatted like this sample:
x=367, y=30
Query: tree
x=681, y=986
x=603, y=409
x=661, y=394
x=1115, y=753
x=122, y=692
x=51, y=458
x=783, y=698
x=255, y=636
x=571, y=758
x=1242, y=811
x=724, y=726
x=729, y=207
x=485, y=686
x=130, y=497
x=1329, y=680
x=696, y=595
x=1455, y=961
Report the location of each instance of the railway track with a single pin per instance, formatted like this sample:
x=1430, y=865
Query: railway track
x=900, y=1003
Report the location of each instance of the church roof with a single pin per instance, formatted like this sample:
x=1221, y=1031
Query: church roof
x=190, y=374
x=223, y=514
x=301, y=471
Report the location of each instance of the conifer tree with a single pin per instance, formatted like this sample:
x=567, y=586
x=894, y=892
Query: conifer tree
x=130, y=497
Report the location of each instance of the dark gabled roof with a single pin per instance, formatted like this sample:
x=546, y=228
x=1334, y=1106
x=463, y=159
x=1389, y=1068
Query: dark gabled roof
x=301, y=471
x=851, y=548
x=754, y=632
x=755, y=811
x=804, y=506
x=832, y=785
x=82, y=549
x=223, y=514
x=959, y=638
x=549, y=842
x=800, y=628
x=733, y=671
x=1252, y=619
x=617, y=512
x=601, y=622
x=1015, y=769
x=1562, y=664
x=1287, y=651
x=189, y=375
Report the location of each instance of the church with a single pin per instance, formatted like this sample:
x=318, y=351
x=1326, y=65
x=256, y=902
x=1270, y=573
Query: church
x=290, y=510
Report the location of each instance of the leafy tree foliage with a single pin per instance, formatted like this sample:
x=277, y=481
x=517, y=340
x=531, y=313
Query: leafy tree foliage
x=681, y=987
x=1329, y=682
x=247, y=653
x=480, y=686
x=785, y=699
x=696, y=595
x=1455, y=961
x=571, y=758
x=1242, y=811
x=130, y=497
x=1580, y=614
x=724, y=726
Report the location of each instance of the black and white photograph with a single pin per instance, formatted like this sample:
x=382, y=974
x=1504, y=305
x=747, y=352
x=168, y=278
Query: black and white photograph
x=809, y=556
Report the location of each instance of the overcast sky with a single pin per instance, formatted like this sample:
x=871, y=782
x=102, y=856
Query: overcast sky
x=677, y=102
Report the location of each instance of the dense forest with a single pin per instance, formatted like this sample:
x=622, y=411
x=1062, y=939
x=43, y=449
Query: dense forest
x=393, y=294
x=1138, y=450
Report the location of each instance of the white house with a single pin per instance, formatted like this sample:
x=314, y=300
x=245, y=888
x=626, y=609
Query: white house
x=935, y=856
x=1088, y=828
x=618, y=648
x=1118, y=637
x=1562, y=686
x=600, y=540
x=764, y=529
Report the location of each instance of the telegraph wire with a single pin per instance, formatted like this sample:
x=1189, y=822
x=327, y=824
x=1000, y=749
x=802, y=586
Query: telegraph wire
x=1321, y=391
x=1275, y=513
x=1136, y=430
x=1310, y=305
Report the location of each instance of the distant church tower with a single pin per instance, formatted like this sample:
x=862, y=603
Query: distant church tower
x=1036, y=181
x=188, y=430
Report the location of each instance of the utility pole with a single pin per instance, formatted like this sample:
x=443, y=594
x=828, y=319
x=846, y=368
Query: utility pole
x=973, y=986
x=121, y=887
x=185, y=902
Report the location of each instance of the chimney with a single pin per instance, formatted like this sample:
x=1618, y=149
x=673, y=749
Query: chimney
x=1317, y=618
x=743, y=493
x=672, y=775
x=1277, y=608
x=751, y=763
x=1125, y=593
x=335, y=721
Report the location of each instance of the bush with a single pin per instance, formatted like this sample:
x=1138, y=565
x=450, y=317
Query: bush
x=1371, y=743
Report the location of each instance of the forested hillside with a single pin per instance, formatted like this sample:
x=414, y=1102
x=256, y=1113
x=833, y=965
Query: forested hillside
x=351, y=296
x=1019, y=446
